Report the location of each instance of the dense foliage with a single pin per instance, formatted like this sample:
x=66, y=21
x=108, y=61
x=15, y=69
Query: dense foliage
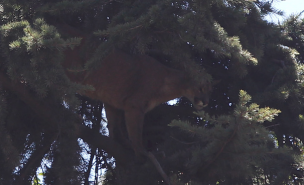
x=251, y=132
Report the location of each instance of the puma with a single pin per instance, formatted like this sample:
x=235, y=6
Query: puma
x=131, y=85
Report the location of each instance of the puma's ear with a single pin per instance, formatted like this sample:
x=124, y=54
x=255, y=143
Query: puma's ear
x=215, y=82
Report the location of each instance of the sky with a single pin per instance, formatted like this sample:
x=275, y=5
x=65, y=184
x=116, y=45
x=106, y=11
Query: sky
x=288, y=6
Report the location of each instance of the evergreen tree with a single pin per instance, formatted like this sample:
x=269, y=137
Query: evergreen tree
x=45, y=123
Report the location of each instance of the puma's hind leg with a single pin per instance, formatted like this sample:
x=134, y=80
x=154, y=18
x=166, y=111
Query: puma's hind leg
x=134, y=123
x=116, y=126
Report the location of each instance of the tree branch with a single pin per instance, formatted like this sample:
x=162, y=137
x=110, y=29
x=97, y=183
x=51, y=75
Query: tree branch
x=87, y=173
x=34, y=161
x=44, y=111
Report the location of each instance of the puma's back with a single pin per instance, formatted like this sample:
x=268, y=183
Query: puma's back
x=131, y=80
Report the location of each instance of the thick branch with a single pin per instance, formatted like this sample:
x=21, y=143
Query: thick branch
x=46, y=113
x=34, y=161
x=158, y=167
x=97, y=140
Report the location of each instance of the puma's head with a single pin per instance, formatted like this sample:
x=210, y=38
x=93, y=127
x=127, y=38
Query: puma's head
x=199, y=95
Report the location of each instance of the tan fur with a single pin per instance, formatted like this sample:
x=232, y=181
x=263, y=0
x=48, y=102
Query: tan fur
x=132, y=85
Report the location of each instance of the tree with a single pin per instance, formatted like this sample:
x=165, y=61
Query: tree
x=45, y=122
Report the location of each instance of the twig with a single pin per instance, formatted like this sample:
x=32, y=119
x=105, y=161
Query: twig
x=223, y=147
x=273, y=125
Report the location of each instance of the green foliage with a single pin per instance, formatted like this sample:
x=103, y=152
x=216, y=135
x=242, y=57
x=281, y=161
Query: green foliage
x=150, y=31
x=232, y=142
x=35, y=52
x=236, y=147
